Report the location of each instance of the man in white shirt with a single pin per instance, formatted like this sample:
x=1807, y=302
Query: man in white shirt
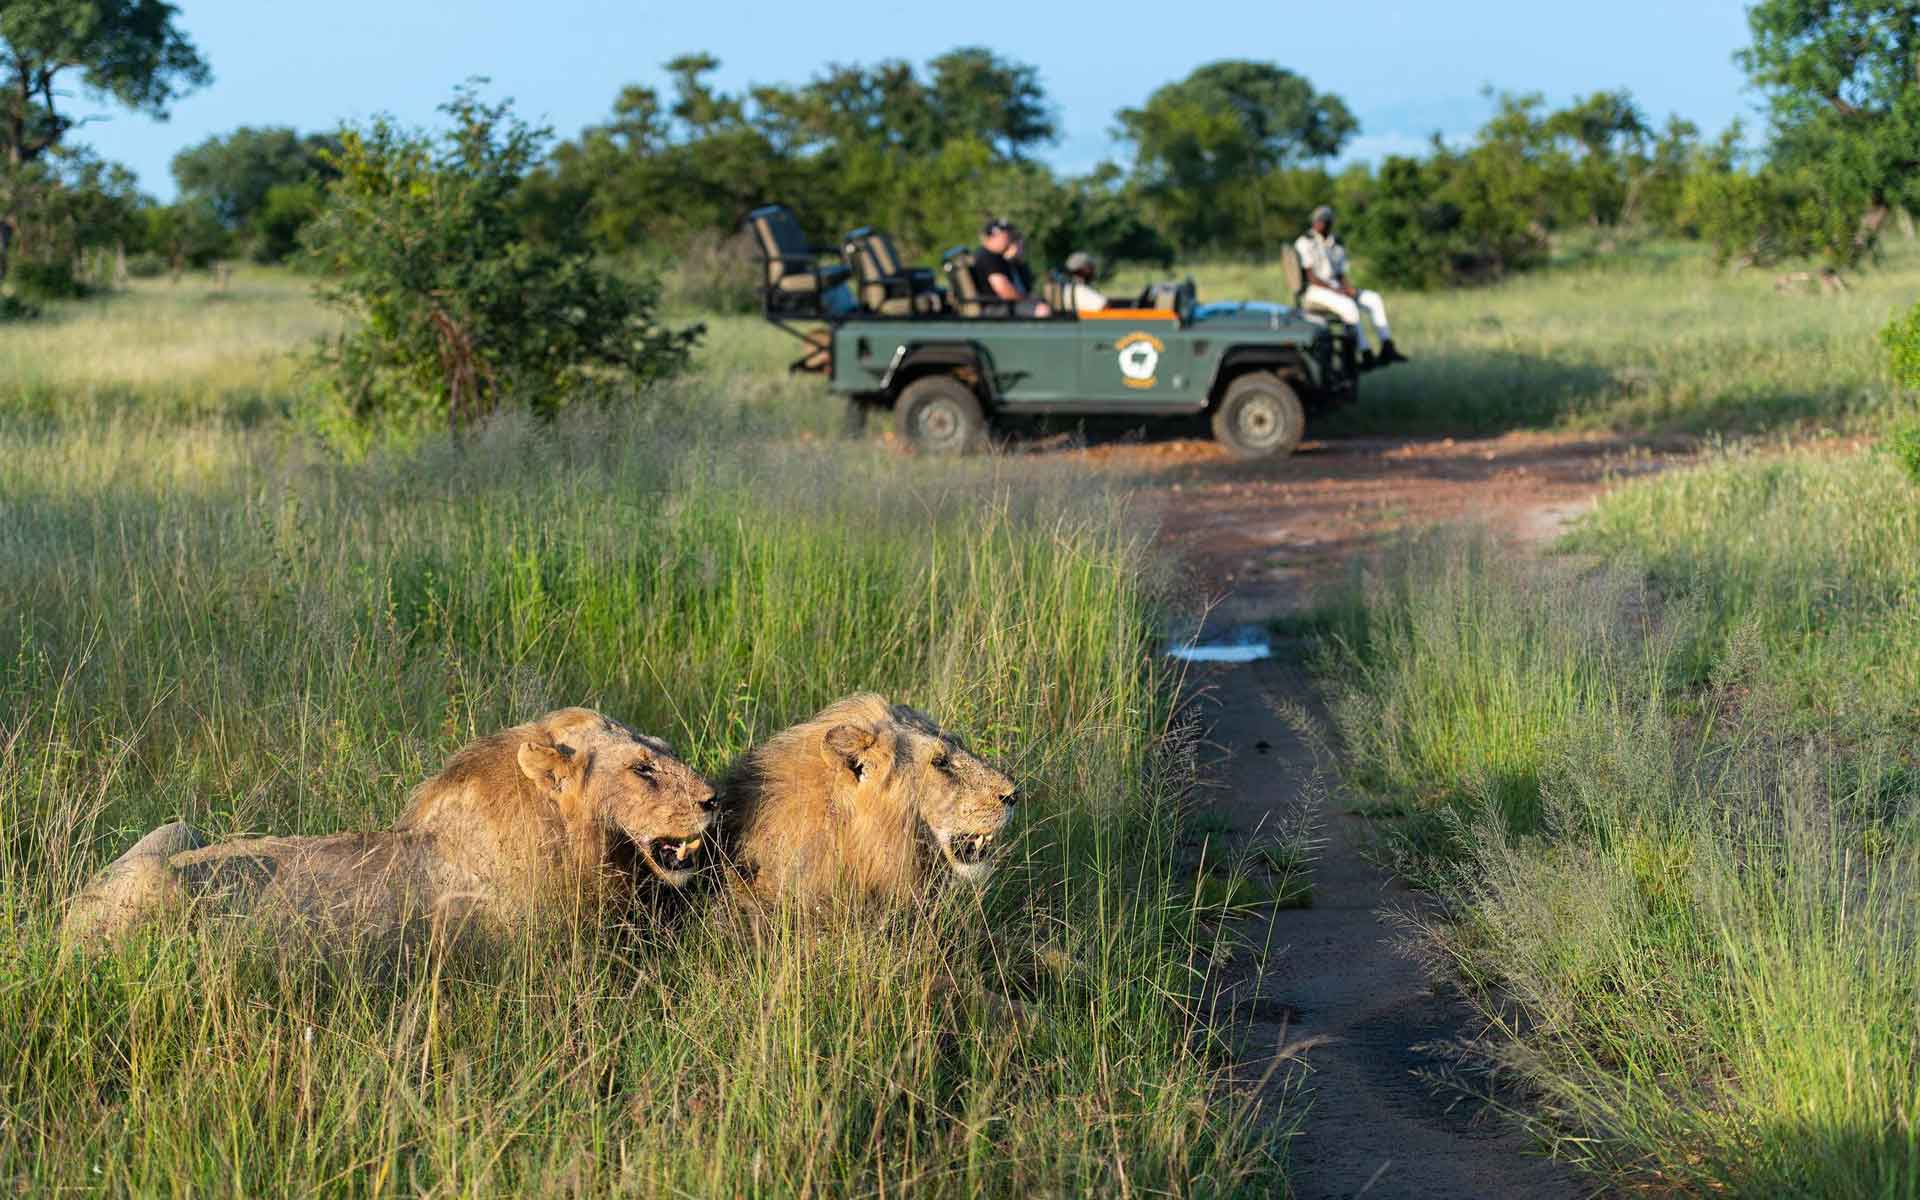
x=1082, y=296
x=1323, y=260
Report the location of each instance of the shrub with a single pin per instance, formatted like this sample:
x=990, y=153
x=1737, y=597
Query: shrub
x=13, y=308
x=458, y=312
x=39, y=279
x=1903, y=443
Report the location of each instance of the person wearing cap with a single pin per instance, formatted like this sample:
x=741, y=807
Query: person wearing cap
x=997, y=277
x=1323, y=259
x=1082, y=296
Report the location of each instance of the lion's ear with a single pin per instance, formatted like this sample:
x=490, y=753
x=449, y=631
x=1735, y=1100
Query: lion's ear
x=843, y=746
x=548, y=764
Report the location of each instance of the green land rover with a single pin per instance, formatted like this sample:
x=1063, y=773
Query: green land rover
x=949, y=362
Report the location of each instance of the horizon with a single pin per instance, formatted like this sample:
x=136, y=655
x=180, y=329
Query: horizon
x=1412, y=73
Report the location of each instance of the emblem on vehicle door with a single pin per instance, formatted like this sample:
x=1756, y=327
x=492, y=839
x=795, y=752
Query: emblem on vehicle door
x=1139, y=358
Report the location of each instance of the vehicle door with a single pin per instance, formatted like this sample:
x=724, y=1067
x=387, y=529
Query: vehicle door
x=1134, y=357
x=1034, y=362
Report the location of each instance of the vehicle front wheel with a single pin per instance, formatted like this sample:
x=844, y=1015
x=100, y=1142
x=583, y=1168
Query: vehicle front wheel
x=940, y=415
x=1259, y=416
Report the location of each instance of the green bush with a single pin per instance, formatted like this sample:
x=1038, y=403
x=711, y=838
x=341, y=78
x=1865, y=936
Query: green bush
x=39, y=279
x=456, y=312
x=1901, y=337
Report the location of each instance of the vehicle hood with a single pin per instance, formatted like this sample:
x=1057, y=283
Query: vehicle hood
x=1249, y=314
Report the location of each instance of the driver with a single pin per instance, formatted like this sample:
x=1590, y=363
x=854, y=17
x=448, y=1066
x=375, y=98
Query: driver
x=998, y=278
x=1324, y=260
x=1082, y=296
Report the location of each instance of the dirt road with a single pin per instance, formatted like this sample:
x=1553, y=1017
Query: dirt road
x=1359, y=1019
x=1256, y=536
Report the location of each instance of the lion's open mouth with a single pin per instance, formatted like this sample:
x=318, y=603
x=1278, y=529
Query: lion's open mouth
x=966, y=853
x=970, y=849
x=673, y=858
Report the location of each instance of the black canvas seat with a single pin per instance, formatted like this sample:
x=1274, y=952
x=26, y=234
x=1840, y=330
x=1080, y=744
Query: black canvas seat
x=965, y=290
x=884, y=283
x=796, y=283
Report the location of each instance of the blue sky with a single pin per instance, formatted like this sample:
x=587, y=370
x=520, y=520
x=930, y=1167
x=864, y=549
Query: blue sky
x=1406, y=69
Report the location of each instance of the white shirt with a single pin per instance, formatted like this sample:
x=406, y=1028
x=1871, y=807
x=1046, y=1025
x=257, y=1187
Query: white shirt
x=1322, y=256
x=1083, y=298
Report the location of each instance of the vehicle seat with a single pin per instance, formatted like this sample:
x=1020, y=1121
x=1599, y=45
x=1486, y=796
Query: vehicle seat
x=886, y=286
x=967, y=301
x=796, y=283
x=1056, y=293
x=1296, y=277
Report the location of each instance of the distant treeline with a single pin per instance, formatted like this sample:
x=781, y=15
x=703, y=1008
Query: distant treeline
x=1226, y=162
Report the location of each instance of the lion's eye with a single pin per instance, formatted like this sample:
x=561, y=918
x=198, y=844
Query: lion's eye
x=943, y=763
x=643, y=769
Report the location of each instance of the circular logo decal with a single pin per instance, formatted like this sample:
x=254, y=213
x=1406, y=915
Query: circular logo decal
x=1139, y=359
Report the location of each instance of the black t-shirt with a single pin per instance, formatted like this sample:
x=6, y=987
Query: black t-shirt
x=987, y=264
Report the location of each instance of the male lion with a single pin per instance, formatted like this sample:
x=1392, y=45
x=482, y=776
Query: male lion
x=856, y=800
x=538, y=817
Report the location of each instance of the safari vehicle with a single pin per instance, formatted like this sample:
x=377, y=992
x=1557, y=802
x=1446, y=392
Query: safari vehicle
x=950, y=362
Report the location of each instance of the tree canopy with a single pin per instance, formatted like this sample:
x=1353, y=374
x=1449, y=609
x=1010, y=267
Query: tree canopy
x=1203, y=144
x=1843, y=80
x=129, y=52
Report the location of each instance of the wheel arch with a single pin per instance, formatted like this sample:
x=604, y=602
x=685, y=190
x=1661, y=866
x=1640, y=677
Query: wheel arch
x=1291, y=363
x=918, y=360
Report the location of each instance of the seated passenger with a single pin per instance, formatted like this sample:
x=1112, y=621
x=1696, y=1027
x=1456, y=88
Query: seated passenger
x=997, y=278
x=1082, y=296
x=1017, y=256
x=1323, y=259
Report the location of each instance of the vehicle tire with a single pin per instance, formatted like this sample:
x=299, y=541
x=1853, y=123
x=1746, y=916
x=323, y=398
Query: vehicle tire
x=1259, y=416
x=937, y=414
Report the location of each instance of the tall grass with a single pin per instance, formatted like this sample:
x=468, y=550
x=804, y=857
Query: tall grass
x=1679, y=825
x=227, y=625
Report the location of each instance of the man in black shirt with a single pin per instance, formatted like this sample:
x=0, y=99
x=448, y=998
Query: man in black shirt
x=996, y=277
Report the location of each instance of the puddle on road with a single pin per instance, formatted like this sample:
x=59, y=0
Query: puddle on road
x=1245, y=643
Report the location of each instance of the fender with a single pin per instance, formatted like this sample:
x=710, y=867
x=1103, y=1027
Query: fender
x=909, y=358
x=1238, y=357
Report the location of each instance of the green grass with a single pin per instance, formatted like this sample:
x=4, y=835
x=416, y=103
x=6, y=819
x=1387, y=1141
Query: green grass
x=1668, y=787
x=1651, y=339
x=213, y=617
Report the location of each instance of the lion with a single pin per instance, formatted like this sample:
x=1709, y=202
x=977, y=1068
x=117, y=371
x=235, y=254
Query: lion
x=859, y=801
x=555, y=813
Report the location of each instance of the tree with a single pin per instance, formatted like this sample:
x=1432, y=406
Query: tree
x=1202, y=142
x=239, y=174
x=457, y=311
x=126, y=51
x=1843, y=80
x=923, y=152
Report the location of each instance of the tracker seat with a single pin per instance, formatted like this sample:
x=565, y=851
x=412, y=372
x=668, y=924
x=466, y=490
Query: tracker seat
x=885, y=284
x=796, y=282
x=1296, y=277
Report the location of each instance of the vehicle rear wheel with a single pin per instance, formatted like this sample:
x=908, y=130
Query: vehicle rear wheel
x=1259, y=416
x=938, y=414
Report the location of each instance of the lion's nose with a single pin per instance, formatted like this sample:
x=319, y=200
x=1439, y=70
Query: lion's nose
x=1010, y=797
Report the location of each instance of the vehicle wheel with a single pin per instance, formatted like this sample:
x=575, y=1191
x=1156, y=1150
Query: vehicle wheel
x=938, y=414
x=1260, y=416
